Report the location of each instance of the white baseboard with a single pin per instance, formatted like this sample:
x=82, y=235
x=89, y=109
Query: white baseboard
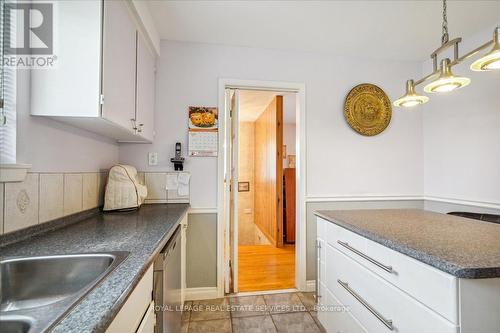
x=311, y=285
x=196, y=294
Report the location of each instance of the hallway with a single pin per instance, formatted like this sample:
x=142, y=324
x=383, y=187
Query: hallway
x=265, y=267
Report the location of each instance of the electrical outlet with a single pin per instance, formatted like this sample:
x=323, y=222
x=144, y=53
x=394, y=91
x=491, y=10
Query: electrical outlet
x=153, y=158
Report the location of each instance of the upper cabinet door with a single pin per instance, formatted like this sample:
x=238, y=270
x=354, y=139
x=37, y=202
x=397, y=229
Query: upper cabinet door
x=145, y=89
x=72, y=87
x=119, y=64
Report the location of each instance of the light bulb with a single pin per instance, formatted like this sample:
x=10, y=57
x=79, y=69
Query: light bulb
x=446, y=81
x=491, y=60
x=411, y=98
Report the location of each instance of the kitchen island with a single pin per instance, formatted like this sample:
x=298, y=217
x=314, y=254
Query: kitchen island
x=408, y=270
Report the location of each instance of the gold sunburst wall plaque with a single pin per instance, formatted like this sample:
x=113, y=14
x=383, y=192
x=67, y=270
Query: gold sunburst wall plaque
x=367, y=109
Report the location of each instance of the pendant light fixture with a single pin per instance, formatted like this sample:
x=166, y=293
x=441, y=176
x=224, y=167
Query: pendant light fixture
x=446, y=81
x=411, y=98
x=442, y=79
x=490, y=61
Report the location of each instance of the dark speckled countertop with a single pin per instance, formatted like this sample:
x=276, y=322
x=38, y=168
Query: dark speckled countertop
x=143, y=233
x=460, y=246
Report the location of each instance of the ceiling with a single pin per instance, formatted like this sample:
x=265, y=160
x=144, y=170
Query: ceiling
x=402, y=30
x=253, y=102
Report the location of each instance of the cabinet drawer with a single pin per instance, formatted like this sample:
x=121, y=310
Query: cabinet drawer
x=434, y=288
x=334, y=316
x=375, y=303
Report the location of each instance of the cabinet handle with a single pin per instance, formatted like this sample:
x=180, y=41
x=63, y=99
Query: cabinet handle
x=386, y=322
x=364, y=256
x=317, y=296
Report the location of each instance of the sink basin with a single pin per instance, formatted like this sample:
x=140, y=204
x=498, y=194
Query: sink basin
x=38, y=281
x=44, y=288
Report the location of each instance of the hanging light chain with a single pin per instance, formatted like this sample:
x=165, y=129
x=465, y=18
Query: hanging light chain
x=445, y=37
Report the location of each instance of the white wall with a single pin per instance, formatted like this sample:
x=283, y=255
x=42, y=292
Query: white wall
x=289, y=128
x=339, y=161
x=50, y=146
x=289, y=137
x=462, y=135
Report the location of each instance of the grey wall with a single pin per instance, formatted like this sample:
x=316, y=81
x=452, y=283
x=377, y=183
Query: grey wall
x=201, y=270
x=311, y=207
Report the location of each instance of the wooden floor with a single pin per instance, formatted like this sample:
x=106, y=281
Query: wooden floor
x=265, y=267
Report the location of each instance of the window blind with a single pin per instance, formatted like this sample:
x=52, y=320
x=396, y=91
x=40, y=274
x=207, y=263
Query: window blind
x=7, y=94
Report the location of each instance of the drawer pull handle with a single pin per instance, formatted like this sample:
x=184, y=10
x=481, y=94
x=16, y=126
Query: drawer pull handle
x=386, y=322
x=370, y=259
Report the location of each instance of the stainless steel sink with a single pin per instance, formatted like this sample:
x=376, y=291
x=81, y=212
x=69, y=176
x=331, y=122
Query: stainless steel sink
x=35, y=292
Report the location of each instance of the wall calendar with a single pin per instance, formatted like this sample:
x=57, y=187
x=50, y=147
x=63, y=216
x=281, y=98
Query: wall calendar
x=203, y=131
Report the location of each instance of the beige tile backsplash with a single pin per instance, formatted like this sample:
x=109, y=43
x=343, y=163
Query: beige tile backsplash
x=21, y=203
x=156, y=184
x=43, y=197
x=90, y=187
x=73, y=188
x=51, y=196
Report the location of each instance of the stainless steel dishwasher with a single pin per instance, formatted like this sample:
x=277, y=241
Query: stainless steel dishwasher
x=167, y=286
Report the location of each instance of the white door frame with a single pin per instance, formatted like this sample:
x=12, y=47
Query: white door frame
x=300, y=240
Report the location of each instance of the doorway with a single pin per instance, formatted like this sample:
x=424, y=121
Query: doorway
x=261, y=173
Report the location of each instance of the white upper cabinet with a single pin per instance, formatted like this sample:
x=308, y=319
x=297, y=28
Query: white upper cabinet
x=73, y=87
x=103, y=80
x=145, y=98
x=118, y=65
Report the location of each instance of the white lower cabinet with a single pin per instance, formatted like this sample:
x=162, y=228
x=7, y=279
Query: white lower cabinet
x=364, y=286
x=379, y=306
x=334, y=316
x=149, y=321
x=135, y=313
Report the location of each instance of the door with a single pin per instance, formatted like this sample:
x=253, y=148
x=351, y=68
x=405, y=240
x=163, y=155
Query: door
x=145, y=99
x=231, y=191
x=119, y=65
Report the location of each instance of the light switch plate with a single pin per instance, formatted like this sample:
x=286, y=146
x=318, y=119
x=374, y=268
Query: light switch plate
x=153, y=158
